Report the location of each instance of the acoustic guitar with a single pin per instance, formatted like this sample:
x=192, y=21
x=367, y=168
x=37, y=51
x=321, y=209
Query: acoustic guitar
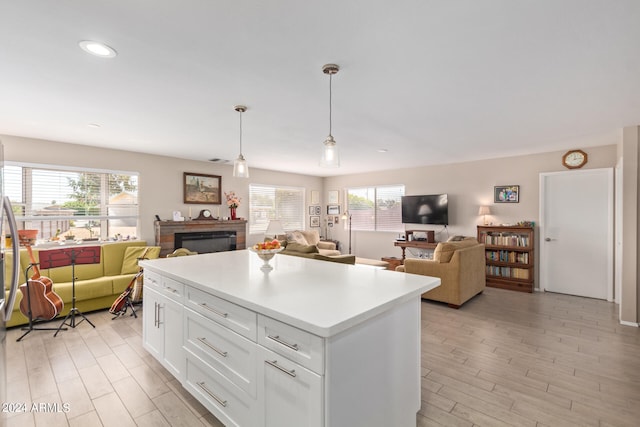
x=38, y=296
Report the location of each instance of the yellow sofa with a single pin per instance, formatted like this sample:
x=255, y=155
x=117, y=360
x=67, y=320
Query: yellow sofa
x=459, y=265
x=97, y=285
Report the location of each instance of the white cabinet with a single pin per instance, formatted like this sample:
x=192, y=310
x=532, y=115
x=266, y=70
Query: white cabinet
x=152, y=333
x=292, y=395
x=162, y=329
x=256, y=350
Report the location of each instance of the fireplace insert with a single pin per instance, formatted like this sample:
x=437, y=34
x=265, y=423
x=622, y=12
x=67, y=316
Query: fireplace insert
x=206, y=241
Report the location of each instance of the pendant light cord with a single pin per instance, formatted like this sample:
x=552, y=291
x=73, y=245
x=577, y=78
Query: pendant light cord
x=240, y=132
x=330, y=92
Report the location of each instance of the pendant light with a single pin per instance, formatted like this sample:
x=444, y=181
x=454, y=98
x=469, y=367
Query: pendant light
x=240, y=168
x=330, y=157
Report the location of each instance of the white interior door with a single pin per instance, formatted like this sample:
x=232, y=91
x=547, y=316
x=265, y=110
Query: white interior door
x=576, y=232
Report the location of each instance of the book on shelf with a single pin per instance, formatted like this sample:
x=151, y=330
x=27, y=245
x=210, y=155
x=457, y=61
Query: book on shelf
x=506, y=239
x=508, y=256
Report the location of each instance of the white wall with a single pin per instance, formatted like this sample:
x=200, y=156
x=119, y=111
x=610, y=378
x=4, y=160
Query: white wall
x=468, y=185
x=161, y=188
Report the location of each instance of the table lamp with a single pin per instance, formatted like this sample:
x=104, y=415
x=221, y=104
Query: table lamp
x=274, y=229
x=484, y=211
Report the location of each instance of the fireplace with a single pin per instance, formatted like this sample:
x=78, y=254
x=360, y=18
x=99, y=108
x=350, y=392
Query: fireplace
x=167, y=232
x=206, y=241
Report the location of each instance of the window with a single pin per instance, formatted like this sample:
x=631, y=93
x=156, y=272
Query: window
x=69, y=202
x=270, y=202
x=376, y=208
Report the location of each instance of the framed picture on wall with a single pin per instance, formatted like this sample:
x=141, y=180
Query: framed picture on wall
x=315, y=197
x=202, y=189
x=333, y=197
x=314, y=221
x=333, y=210
x=506, y=194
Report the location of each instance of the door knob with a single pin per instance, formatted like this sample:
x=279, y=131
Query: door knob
x=548, y=239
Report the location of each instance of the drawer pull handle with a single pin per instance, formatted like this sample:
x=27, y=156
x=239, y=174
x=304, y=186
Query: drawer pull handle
x=205, y=342
x=169, y=288
x=274, y=363
x=216, y=398
x=213, y=310
x=277, y=339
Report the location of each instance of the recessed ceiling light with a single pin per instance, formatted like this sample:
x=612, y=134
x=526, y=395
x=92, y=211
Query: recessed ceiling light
x=382, y=150
x=97, y=49
x=93, y=125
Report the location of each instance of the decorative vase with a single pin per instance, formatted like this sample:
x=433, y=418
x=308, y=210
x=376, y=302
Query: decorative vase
x=233, y=212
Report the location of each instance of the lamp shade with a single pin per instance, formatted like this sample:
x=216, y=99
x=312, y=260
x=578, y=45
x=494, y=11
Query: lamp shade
x=240, y=168
x=330, y=157
x=274, y=228
x=484, y=210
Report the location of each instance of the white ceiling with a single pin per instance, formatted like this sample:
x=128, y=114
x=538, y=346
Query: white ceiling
x=430, y=81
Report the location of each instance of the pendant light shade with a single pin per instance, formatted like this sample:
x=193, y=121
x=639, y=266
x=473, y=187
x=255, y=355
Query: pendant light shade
x=330, y=157
x=240, y=168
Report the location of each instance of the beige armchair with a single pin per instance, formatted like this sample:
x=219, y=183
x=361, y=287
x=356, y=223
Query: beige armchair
x=459, y=265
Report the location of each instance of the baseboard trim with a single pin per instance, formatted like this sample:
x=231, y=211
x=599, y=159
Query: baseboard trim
x=622, y=322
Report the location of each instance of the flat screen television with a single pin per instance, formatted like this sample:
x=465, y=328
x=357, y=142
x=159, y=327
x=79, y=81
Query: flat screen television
x=426, y=209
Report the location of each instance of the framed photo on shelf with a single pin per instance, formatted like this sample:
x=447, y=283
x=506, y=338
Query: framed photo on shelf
x=202, y=189
x=314, y=221
x=506, y=194
x=333, y=210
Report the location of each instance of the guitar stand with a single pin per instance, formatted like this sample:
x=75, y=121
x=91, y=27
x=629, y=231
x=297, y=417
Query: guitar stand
x=123, y=310
x=71, y=256
x=31, y=326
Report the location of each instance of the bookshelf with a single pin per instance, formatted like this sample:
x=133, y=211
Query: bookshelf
x=509, y=256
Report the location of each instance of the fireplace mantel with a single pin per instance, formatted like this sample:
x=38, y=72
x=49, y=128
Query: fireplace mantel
x=165, y=231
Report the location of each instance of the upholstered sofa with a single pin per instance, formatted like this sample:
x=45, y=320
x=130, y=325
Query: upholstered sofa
x=459, y=265
x=97, y=285
x=312, y=238
x=307, y=244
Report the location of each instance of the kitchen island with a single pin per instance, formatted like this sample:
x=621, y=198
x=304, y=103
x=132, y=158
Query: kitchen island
x=310, y=343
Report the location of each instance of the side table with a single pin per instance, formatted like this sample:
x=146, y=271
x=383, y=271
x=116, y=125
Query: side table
x=393, y=262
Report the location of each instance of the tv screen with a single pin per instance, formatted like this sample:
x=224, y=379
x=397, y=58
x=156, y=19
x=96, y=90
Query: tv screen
x=427, y=209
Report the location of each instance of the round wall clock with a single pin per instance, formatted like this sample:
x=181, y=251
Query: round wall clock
x=574, y=159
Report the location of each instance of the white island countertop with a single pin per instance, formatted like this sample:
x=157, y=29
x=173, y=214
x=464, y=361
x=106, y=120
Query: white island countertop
x=321, y=297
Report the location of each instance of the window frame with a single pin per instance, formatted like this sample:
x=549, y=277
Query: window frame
x=376, y=208
x=287, y=224
x=26, y=205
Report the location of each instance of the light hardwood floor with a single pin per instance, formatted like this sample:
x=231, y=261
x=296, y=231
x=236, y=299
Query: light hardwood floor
x=504, y=358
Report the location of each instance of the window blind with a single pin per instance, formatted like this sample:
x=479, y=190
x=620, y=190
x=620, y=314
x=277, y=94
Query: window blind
x=376, y=208
x=80, y=203
x=268, y=202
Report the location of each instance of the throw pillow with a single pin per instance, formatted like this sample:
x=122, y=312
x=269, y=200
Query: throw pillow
x=305, y=249
x=297, y=237
x=131, y=255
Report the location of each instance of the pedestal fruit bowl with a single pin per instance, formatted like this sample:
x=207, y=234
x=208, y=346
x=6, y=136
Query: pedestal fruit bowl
x=266, y=251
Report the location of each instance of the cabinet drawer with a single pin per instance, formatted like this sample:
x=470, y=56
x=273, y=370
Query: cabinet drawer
x=297, y=345
x=231, y=354
x=152, y=280
x=226, y=401
x=227, y=314
x=173, y=289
